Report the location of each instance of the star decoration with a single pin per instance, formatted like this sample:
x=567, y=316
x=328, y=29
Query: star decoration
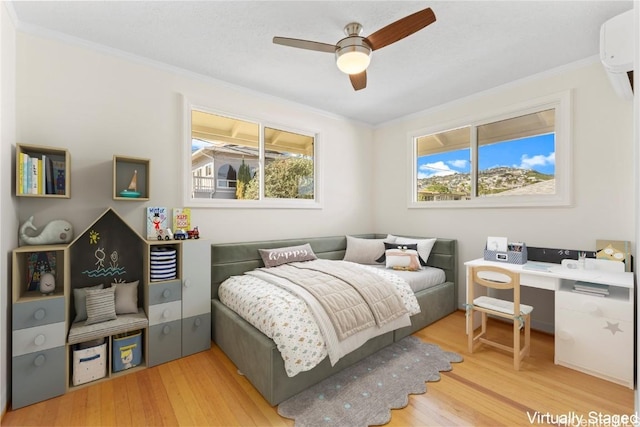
x=613, y=327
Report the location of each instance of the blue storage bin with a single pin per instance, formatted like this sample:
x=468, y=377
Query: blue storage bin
x=127, y=350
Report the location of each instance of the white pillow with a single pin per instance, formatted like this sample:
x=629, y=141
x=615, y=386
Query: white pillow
x=364, y=251
x=424, y=245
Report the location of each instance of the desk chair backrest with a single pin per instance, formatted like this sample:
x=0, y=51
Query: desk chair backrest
x=496, y=278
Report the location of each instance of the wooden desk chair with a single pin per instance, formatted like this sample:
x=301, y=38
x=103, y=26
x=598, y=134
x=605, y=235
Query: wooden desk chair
x=498, y=278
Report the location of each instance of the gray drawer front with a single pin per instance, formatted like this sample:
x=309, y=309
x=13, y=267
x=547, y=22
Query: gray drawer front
x=196, y=334
x=165, y=292
x=38, y=376
x=38, y=312
x=165, y=342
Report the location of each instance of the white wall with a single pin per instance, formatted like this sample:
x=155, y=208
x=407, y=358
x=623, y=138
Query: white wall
x=98, y=104
x=603, y=179
x=8, y=216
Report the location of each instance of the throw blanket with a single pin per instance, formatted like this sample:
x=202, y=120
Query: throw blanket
x=353, y=298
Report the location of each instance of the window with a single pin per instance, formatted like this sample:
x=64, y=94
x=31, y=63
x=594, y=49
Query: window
x=236, y=162
x=517, y=157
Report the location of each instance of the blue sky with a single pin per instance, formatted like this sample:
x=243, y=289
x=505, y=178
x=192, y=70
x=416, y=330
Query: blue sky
x=537, y=153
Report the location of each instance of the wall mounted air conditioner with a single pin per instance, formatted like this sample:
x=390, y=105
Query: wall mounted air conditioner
x=616, y=52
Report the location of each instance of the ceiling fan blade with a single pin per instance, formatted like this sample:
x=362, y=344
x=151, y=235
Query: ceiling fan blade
x=401, y=28
x=358, y=81
x=305, y=44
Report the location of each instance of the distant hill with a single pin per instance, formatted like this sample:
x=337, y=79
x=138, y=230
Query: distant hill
x=490, y=181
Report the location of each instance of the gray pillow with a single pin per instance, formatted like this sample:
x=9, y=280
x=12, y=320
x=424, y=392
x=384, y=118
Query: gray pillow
x=364, y=251
x=101, y=305
x=126, y=297
x=279, y=256
x=80, y=301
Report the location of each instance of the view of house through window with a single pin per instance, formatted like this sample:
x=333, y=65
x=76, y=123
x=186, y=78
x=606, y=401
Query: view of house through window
x=227, y=154
x=512, y=157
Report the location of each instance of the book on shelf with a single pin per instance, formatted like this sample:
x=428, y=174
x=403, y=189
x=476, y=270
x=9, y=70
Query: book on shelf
x=38, y=263
x=157, y=220
x=21, y=170
x=181, y=219
x=35, y=172
x=593, y=294
x=59, y=175
x=49, y=183
x=591, y=288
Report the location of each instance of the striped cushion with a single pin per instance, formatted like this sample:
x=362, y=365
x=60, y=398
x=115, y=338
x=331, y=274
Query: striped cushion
x=101, y=305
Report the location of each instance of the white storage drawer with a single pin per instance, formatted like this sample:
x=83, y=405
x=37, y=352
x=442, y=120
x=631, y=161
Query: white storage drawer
x=162, y=313
x=39, y=338
x=595, y=335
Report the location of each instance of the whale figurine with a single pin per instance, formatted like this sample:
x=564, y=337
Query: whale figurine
x=55, y=232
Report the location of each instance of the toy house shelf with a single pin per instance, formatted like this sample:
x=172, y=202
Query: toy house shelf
x=130, y=178
x=160, y=311
x=42, y=172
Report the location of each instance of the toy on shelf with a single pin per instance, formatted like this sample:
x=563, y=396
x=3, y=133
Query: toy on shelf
x=181, y=234
x=56, y=232
x=47, y=283
x=132, y=190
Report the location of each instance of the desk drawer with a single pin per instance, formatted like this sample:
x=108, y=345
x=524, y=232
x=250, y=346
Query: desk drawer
x=596, y=307
x=540, y=282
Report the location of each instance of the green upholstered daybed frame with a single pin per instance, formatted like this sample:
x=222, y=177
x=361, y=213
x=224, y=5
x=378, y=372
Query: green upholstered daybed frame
x=256, y=356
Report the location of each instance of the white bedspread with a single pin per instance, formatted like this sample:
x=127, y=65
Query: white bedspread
x=296, y=323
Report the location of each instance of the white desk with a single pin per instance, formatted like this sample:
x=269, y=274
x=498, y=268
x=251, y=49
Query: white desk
x=592, y=334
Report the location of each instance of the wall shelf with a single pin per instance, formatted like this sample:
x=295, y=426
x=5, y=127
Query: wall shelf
x=130, y=178
x=42, y=172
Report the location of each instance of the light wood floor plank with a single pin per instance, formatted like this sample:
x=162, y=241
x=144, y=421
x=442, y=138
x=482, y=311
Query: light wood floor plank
x=205, y=389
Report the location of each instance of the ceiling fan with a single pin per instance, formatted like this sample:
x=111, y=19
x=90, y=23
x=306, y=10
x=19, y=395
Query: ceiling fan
x=353, y=53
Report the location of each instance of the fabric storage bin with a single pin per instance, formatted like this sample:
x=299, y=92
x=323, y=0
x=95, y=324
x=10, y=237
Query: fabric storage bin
x=518, y=256
x=127, y=350
x=89, y=362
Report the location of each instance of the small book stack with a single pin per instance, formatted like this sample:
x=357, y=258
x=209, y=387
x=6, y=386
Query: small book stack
x=593, y=289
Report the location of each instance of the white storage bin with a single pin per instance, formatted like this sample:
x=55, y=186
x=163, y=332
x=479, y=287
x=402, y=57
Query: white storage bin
x=89, y=364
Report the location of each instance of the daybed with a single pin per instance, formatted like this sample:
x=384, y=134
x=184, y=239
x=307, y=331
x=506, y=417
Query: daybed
x=257, y=357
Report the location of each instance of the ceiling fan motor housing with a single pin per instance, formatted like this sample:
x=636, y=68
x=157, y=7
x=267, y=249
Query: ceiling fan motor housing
x=353, y=54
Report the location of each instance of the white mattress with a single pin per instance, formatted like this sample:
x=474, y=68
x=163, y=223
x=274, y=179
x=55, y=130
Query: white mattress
x=421, y=279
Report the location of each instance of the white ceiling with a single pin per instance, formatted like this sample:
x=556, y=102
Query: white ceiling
x=473, y=45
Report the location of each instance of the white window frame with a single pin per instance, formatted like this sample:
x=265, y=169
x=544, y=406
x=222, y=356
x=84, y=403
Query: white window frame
x=262, y=202
x=563, y=156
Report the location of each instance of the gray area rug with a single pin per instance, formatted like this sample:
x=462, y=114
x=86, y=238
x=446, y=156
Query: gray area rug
x=365, y=393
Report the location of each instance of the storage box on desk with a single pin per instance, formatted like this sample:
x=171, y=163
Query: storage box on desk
x=89, y=361
x=127, y=350
x=517, y=254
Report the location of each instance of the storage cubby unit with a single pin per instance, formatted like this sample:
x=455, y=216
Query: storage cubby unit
x=179, y=295
x=38, y=324
x=42, y=171
x=88, y=365
x=159, y=316
x=130, y=178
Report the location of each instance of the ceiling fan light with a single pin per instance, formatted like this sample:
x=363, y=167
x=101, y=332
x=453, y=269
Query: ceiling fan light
x=353, y=59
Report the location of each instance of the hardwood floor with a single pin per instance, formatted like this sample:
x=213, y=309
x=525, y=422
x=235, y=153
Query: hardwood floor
x=204, y=389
